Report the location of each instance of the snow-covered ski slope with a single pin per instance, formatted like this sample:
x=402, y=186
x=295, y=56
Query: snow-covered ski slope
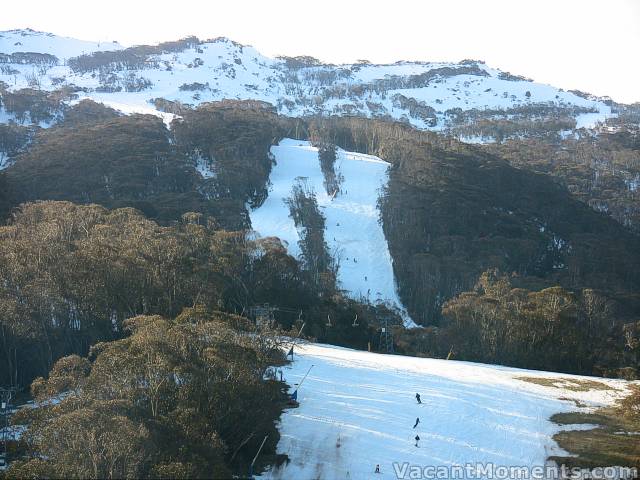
x=420, y=93
x=353, y=230
x=357, y=410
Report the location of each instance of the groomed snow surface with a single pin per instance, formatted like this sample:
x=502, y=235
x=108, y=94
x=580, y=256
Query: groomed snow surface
x=353, y=230
x=357, y=410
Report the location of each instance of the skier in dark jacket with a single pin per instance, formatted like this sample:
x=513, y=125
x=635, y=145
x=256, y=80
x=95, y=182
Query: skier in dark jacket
x=417, y=422
x=378, y=468
x=418, y=398
x=417, y=439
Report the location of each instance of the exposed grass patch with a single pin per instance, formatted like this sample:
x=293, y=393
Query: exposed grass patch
x=615, y=441
x=577, y=402
x=575, y=385
x=612, y=443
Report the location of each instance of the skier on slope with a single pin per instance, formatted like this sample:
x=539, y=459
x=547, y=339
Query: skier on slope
x=417, y=422
x=377, y=468
x=418, y=398
x=417, y=439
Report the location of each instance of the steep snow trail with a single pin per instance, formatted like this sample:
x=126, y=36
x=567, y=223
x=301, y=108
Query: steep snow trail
x=357, y=409
x=353, y=230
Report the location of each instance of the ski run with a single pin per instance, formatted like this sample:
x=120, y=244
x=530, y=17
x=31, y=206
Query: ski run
x=353, y=229
x=357, y=410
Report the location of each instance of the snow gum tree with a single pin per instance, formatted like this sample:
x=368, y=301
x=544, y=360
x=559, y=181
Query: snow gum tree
x=183, y=398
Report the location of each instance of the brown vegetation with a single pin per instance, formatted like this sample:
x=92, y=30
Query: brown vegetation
x=183, y=398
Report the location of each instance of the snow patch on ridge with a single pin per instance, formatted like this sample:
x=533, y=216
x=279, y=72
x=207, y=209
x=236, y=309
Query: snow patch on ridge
x=28, y=40
x=4, y=160
x=353, y=230
x=221, y=69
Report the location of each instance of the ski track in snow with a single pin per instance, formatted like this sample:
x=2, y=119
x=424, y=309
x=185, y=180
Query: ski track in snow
x=365, y=402
x=353, y=231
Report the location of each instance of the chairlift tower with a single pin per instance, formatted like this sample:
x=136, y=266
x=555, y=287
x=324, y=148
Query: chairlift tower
x=263, y=314
x=386, y=337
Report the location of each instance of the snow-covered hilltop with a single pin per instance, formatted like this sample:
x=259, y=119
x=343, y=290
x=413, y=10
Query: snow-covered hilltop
x=428, y=95
x=27, y=40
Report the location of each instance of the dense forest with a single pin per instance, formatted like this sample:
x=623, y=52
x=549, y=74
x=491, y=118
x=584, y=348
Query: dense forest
x=128, y=279
x=72, y=275
x=601, y=170
x=451, y=211
x=86, y=301
x=182, y=398
x=136, y=161
x=551, y=328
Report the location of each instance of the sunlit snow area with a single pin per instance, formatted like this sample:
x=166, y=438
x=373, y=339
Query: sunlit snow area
x=353, y=226
x=357, y=410
x=222, y=69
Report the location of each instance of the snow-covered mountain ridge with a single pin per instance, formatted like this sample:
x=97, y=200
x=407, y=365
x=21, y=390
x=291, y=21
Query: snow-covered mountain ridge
x=429, y=95
x=28, y=40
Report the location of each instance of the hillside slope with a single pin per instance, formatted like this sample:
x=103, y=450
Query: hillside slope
x=28, y=40
x=357, y=410
x=353, y=230
x=432, y=95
